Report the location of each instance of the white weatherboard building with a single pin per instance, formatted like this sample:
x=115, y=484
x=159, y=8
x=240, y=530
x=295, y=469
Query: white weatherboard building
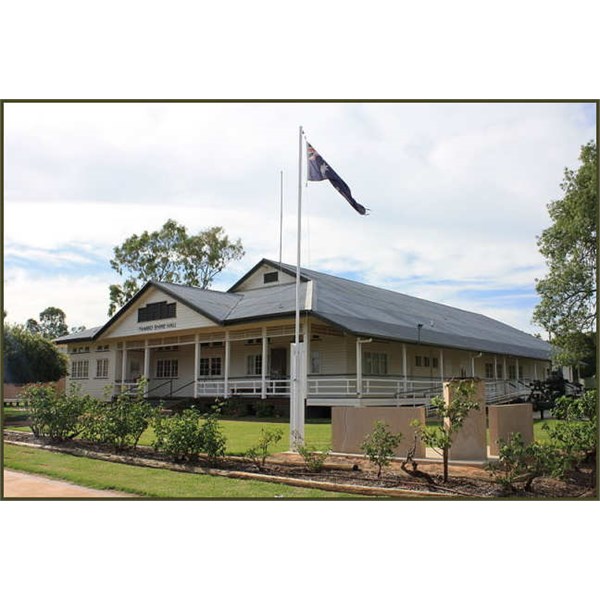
x=365, y=345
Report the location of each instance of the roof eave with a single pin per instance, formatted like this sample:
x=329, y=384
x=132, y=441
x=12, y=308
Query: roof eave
x=204, y=313
x=271, y=263
x=137, y=296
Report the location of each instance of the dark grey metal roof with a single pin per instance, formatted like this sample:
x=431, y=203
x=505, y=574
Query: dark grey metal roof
x=87, y=335
x=213, y=304
x=368, y=310
x=356, y=308
x=269, y=301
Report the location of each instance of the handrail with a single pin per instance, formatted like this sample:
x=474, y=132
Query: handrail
x=167, y=381
x=182, y=387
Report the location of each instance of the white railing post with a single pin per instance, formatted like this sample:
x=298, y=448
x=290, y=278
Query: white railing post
x=358, y=368
x=197, y=351
x=404, y=368
x=146, y=368
x=263, y=375
x=124, y=365
x=226, y=371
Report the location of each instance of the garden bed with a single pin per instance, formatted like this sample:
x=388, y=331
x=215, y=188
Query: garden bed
x=341, y=473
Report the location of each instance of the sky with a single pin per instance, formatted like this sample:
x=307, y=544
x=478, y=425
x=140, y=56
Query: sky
x=457, y=194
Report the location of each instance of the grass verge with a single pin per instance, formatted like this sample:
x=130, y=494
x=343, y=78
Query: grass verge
x=242, y=434
x=146, y=482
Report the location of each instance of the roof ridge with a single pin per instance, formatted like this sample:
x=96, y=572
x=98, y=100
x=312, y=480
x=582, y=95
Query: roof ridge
x=194, y=287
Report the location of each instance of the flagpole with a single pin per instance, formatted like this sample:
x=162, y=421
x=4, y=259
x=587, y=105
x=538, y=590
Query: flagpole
x=299, y=233
x=297, y=383
x=280, y=219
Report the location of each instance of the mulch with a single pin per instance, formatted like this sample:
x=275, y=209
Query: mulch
x=341, y=473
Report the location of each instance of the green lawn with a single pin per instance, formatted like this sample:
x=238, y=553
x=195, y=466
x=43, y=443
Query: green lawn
x=539, y=435
x=11, y=413
x=243, y=433
x=142, y=481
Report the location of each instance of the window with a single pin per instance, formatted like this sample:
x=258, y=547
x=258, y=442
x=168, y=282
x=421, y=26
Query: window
x=210, y=366
x=512, y=372
x=520, y=371
x=499, y=371
x=80, y=369
x=271, y=277
x=375, y=363
x=102, y=348
x=426, y=361
x=167, y=368
x=157, y=311
x=204, y=367
x=254, y=364
x=489, y=370
x=215, y=366
x=315, y=361
x=80, y=350
x=102, y=368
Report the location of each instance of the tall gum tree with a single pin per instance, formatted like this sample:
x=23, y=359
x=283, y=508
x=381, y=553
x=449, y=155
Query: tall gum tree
x=170, y=255
x=568, y=306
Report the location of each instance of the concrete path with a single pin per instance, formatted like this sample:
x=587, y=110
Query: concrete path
x=24, y=485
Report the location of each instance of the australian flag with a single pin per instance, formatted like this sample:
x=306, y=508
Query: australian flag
x=318, y=170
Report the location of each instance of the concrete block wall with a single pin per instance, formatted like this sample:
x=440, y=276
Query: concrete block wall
x=350, y=426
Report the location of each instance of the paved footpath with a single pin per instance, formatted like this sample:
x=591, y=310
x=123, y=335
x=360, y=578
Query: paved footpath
x=24, y=485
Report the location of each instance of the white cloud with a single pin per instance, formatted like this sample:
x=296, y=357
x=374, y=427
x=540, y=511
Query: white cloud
x=84, y=299
x=458, y=193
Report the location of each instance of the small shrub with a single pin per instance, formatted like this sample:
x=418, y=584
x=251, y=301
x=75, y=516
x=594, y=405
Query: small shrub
x=184, y=435
x=258, y=453
x=55, y=415
x=313, y=459
x=518, y=462
x=380, y=444
x=119, y=422
x=576, y=433
x=179, y=436
x=214, y=442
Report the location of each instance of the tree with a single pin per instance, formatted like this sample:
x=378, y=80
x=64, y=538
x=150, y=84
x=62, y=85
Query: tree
x=170, y=255
x=259, y=453
x=52, y=323
x=32, y=326
x=30, y=358
x=567, y=309
x=452, y=417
